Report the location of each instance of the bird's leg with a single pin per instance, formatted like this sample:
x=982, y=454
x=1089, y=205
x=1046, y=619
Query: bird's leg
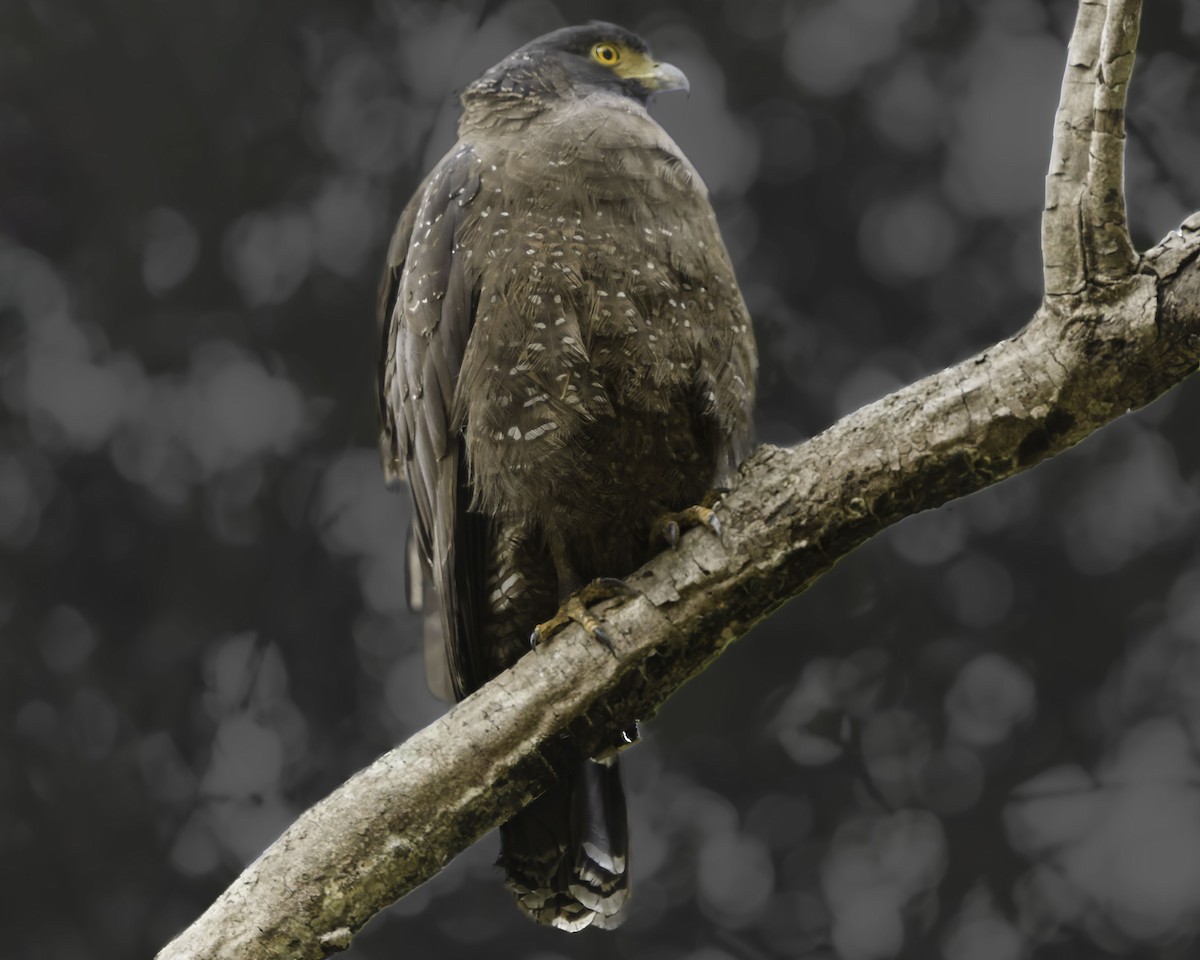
x=667, y=528
x=575, y=609
x=575, y=598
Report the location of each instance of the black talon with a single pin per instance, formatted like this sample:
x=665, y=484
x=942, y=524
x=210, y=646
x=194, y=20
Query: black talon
x=670, y=526
x=605, y=639
x=575, y=609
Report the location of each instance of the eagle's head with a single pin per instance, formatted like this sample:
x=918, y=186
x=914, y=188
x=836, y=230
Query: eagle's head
x=576, y=61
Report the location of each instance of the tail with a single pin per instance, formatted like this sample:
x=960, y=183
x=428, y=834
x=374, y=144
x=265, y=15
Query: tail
x=567, y=853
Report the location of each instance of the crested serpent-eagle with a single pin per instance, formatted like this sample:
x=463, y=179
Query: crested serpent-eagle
x=566, y=361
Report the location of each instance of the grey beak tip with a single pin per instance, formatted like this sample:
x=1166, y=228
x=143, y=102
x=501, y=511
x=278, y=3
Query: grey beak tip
x=670, y=77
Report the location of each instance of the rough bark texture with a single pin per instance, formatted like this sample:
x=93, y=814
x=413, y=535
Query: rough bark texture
x=1114, y=332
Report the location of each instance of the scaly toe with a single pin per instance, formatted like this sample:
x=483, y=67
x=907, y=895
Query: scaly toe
x=668, y=527
x=575, y=610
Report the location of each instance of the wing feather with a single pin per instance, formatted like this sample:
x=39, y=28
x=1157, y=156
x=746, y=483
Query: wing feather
x=426, y=310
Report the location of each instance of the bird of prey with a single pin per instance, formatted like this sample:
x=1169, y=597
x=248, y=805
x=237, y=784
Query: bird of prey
x=567, y=369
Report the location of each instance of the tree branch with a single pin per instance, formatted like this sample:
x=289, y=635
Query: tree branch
x=1113, y=333
x=1085, y=235
x=1111, y=251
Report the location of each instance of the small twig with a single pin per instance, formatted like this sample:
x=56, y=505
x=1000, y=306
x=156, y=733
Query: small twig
x=1110, y=251
x=1062, y=227
x=1085, y=232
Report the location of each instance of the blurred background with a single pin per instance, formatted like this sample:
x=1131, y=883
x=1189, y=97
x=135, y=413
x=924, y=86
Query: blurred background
x=975, y=739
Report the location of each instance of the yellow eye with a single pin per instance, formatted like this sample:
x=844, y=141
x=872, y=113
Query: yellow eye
x=606, y=54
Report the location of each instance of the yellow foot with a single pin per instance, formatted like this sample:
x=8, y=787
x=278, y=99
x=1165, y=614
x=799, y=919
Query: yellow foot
x=666, y=528
x=575, y=610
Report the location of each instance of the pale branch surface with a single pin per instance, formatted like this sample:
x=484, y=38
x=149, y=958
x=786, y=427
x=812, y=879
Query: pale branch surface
x=1084, y=230
x=1062, y=236
x=1093, y=351
x=1109, y=250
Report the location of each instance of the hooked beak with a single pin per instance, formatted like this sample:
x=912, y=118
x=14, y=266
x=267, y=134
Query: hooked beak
x=665, y=76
